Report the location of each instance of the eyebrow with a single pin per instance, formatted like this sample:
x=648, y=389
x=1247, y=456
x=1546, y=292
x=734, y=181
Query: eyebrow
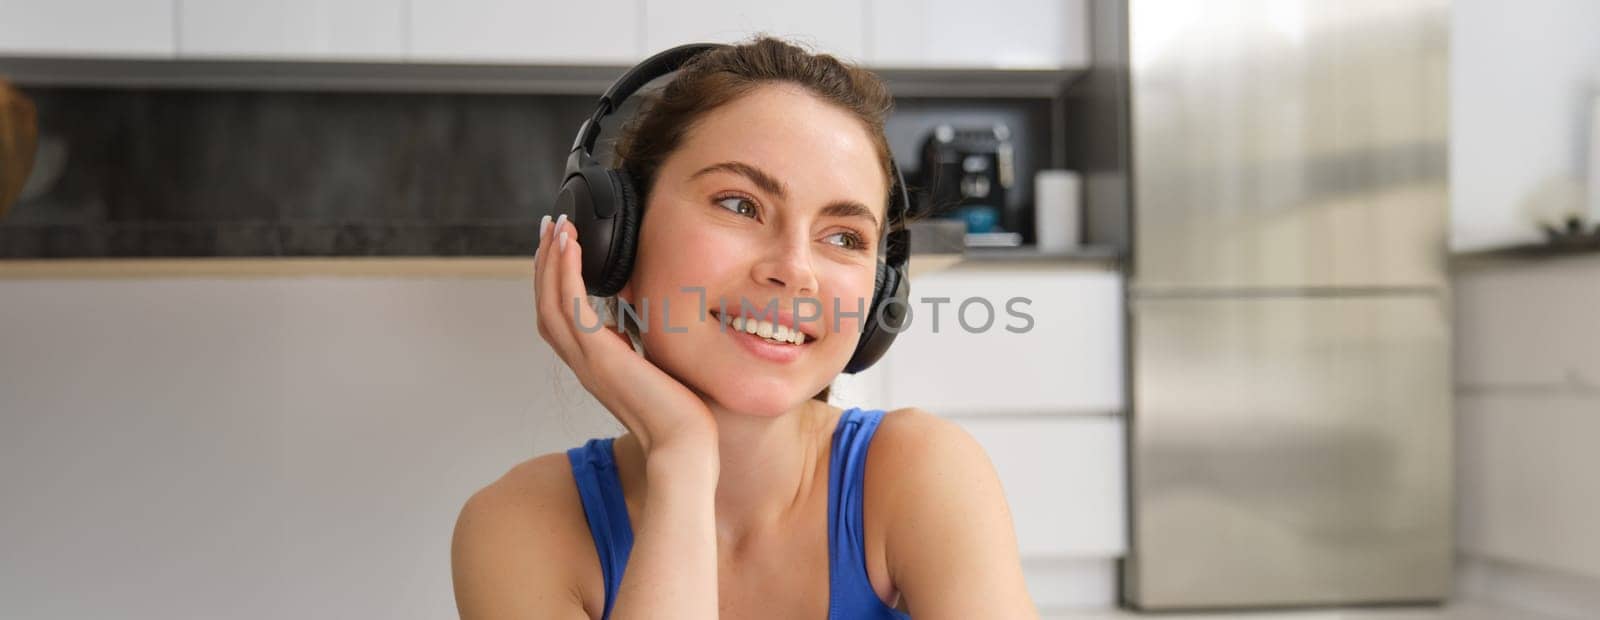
x=771, y=185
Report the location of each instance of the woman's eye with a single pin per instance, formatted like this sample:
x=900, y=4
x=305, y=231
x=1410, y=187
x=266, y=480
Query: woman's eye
x=851, y=241
x=742, y=205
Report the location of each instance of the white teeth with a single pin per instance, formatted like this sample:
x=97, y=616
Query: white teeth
x=766, y=330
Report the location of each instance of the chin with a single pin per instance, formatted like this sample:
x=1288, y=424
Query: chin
x=757, y=396
x=743, y=384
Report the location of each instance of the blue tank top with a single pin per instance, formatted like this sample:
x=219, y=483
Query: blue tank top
x=850, y=593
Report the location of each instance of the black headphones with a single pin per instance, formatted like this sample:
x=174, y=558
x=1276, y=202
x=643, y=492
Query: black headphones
x=606, y=209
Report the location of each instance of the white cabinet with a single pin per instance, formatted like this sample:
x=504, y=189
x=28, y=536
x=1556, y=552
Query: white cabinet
x=124, y=28
x=308, y=29
x=997, y=34
x=1046, y=405
x=1064, y=481
x=605, y=32
x=1067, y=358
x=828, y=26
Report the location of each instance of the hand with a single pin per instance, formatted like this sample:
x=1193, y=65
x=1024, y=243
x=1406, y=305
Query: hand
x=659, y=410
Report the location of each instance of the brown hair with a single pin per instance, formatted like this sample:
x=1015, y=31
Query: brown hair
x=720, y=76
x=19, y=137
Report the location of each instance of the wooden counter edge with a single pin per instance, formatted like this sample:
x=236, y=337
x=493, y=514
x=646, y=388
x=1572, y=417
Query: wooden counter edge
x=356, y=267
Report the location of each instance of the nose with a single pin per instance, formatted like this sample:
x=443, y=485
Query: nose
x=788, y=265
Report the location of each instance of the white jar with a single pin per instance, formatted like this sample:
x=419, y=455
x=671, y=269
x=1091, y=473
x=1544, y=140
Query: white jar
x=1056, y=210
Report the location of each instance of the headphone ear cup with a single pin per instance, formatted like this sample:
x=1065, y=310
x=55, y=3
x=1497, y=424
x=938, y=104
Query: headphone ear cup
x=624, y=236
x=884, y=320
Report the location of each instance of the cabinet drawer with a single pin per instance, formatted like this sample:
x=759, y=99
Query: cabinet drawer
x=595, y=32
x=299, y=29
x=828, y=26
x=1067, y=358
x=997, y=34
x=1064, y=480
x=124, y=28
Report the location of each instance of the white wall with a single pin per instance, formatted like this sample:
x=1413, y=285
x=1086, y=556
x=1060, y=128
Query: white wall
x=1523, y=79
x=1528, y=398
x=263, y=448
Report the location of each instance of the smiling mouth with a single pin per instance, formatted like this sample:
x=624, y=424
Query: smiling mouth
x=765, y=331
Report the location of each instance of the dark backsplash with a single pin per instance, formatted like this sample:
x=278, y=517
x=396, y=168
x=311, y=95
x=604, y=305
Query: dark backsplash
x=180, y=173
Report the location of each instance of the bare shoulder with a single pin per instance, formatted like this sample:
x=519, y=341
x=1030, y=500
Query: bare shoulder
x=946, y=528
x=911, y=451
x=922, y=452
x=520, y=542
x=909, y=439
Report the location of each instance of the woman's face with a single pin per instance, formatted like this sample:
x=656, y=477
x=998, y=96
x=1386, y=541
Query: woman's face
x=774, y=197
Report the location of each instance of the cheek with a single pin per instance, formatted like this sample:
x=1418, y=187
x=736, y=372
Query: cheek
x=709, y=245
x=691, y=259
x=681, y=265
x=846, y=302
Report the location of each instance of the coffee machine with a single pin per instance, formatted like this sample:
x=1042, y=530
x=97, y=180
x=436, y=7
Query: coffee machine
x=967, y=173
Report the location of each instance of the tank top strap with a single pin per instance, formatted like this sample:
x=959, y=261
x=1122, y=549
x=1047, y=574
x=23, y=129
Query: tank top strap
x=850, y=588
x=594, y=468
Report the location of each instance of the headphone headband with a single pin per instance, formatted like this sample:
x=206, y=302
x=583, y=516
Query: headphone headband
x=630, y=82
x=672, y=59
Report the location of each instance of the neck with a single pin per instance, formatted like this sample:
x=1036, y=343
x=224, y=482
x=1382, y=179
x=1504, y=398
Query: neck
x=769, y=468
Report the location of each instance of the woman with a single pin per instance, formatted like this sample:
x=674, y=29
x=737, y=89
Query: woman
x=738, y=491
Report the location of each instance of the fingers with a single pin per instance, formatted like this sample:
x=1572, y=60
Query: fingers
x=563, y=298
x=593, y=337
x=575, y=295
x=602, y=358
x=554, y=325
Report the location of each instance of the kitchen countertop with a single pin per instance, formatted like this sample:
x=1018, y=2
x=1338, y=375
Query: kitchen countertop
x=935, y=245
x=1523, y=254
x=274, y=267
x=462, y=267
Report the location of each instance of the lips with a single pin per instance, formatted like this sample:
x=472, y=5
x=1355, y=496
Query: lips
x=777, y=352
x=786, y=319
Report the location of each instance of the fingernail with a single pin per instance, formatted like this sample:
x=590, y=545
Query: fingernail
x=563, y=240
x=544, y=225
x=561, y=220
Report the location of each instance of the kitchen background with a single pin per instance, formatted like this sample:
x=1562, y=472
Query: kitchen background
x=206, y=173
x=265, y=319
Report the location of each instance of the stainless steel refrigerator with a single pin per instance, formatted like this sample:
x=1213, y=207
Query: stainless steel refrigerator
x=1277, y=170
